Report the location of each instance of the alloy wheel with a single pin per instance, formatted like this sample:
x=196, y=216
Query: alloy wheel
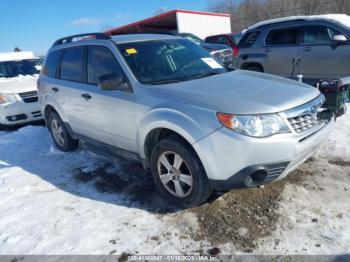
x=174, y=174
x=57, y=132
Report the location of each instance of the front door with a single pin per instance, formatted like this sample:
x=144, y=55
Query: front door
x=109, y=114
x=319, y=58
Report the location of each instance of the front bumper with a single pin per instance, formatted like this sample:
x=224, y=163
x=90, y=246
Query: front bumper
x=19, y=113
x=232, y=160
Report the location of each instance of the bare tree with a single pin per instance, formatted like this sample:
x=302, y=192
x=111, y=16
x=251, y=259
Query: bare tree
x=247, y=12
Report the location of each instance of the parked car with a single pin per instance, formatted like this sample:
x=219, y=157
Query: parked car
x=231, y=40
x=315, y=46
x=18, y=91
x=219, y=51
x=164, y=101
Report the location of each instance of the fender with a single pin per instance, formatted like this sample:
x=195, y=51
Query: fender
x=48, y=100
x=171, y=119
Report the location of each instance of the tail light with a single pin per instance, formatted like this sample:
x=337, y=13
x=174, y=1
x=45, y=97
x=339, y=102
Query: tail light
x=235, y=51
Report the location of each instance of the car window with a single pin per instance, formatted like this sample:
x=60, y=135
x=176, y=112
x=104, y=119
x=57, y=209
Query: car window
x=285, y=36
x=213, y=39
x=72, y=64
x=170, y=60
x=223, y=40
x=236, y=38
x=248, y=39
x=3, y=70
x=100, y=62
x=52, y=61
x=17, y=68
x=318, y=35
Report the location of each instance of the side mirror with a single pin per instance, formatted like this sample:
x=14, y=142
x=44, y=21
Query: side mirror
x=114, y=81
x=338, y=40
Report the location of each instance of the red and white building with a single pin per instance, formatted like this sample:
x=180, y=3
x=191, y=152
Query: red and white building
x=201, y=24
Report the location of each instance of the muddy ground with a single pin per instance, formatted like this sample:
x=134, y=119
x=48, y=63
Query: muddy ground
x=240, y=217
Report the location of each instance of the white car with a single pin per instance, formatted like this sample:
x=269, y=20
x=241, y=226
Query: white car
x=18, y=90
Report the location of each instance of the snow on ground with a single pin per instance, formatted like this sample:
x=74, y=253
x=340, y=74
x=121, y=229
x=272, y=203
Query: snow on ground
x=316, y=211
x=81, y=203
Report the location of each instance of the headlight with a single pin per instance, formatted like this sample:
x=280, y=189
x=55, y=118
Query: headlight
x=254, y=125
x=7, y=98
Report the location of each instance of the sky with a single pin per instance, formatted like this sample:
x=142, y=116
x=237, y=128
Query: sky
x=33, y=25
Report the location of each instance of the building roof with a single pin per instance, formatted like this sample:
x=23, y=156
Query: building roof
x=167, y=21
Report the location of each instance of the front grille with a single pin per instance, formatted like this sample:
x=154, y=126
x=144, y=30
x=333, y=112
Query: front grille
x=305, y=117
x=29, y=97
x=303, y=123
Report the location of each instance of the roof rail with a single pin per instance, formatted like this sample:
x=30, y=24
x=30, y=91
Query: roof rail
x=69, y=39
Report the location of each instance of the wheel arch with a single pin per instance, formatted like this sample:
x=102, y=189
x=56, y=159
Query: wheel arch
x=247, y=65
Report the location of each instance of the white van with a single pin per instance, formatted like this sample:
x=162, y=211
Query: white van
x=18, y=91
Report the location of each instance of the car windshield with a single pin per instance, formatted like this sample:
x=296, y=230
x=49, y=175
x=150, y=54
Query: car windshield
x=169, y=61
x=236, y=38
x=23, y=67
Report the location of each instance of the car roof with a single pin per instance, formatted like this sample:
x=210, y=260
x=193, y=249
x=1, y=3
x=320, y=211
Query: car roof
x=336, y=18
x=120, y=39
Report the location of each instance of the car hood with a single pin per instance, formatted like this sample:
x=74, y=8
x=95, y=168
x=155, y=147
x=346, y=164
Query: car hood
x=18, y=84
x=214, y=47
x=241, y=92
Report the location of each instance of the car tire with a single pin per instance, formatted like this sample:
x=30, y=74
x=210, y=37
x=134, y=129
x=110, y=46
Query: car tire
x=187, y=173
x=60, y=135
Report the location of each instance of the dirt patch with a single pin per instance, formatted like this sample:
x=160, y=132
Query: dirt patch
x=130, y=180
x=339, y=162
x=243, y=216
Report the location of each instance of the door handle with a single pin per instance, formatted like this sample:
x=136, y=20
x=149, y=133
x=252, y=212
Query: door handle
x=267, y=50
x=307, y=49
x=86, y=96
x=55, y=89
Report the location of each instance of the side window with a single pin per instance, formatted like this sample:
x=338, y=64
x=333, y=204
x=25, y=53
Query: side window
x=51, y=64
x=248, y=39
x=72, y=64
x=223, y=40
x=100, y=62
x=213, y=40
x=3, y=70
x=286, y=36
x=318, y=35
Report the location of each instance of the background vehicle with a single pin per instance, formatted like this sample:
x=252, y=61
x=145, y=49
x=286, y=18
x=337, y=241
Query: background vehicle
x=221, y=52
x=317, y=46
x=231, y=40
x=165, y=102
x=18, y=92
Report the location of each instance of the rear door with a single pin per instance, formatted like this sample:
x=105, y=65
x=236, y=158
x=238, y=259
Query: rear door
x=319, y=58
x=282, y=51
x=69, y=87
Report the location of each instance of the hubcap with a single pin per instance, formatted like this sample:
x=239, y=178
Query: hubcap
x=175, y=174
x=57, y=132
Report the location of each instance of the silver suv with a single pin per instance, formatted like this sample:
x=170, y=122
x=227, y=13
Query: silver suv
x=314, y=46
x=165, y=102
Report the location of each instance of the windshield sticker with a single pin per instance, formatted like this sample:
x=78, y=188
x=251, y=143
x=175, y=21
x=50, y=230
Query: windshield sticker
x=131, y=51
x=212, y=63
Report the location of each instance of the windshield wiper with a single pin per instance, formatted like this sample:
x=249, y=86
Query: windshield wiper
x=206, y=75
x=163, y=82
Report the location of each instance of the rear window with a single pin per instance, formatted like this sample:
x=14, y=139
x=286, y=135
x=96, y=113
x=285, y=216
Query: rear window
x=51, y=64
x=286, y=36
x=72, y=64
x=248, y=39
